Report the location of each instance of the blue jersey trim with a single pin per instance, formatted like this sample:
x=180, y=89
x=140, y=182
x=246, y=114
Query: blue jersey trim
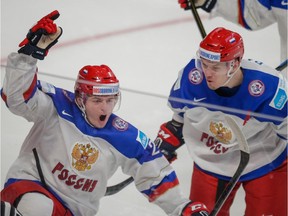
x=32, y=93
x=283, y=4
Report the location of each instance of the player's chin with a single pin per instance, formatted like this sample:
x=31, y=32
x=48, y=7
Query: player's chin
x=211, y=86
x=100, y=124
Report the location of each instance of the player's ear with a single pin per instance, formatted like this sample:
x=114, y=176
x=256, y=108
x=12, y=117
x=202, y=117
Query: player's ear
x=235, y=64
x=79, y=100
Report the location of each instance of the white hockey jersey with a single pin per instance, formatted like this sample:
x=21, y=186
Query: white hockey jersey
x=211, y=142
x=256, y=14
x=77, y=160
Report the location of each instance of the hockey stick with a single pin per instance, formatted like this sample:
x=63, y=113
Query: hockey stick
x=244, y=159
x=118, y=187
x=197, y=19
x=282, y=66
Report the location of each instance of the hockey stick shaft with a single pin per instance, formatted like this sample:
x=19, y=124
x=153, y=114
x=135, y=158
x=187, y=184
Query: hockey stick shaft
x=118, y=187
x=197, y=19
x=282, y=66
x=244, y=159
x=224, y=195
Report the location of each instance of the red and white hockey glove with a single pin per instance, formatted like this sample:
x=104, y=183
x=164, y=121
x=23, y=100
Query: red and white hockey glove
x=195, y=209
x=206, y=5
x=41, y=37
x=169, y=139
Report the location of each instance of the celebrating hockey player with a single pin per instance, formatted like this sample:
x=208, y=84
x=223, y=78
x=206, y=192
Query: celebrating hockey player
x=250, y=14
x=77, y=143
x=216, y=83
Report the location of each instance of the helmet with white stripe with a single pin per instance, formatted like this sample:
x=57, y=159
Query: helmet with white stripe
x=221, y=45
x=96, y=80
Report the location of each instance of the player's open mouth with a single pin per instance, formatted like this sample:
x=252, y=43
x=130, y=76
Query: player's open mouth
x=102, y=117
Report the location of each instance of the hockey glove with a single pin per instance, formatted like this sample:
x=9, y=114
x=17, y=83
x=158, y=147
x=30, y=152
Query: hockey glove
x=169, y=139
x=195, y=209
x=41, y=37
x=206, y=5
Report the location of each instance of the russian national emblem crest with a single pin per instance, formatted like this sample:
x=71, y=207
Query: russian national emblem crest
x=220, y=132
x=83, y=156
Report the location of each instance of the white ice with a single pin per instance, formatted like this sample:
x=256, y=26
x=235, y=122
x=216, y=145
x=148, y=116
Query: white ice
x=146, y=43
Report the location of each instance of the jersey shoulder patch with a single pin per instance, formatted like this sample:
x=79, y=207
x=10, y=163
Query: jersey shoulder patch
x=143, y=139
x=120, y=124
x=280, y=98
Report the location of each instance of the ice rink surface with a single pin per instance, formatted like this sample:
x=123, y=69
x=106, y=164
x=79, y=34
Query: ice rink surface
x=145, y=43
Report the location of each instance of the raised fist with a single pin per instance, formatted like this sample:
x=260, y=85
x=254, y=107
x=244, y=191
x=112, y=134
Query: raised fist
x=41, y=37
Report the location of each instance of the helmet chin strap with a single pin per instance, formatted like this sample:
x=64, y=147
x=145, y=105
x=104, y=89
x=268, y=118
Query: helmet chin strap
x=229, y=74
x=81, y=106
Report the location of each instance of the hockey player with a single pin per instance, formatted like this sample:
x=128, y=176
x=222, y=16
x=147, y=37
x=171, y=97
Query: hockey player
x=218, y=78
x=251, y=14
x=77, y=143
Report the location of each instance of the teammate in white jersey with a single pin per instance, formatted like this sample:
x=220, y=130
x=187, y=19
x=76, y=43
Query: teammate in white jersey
x=226, y=84
x=77, y=143
x=250, y=14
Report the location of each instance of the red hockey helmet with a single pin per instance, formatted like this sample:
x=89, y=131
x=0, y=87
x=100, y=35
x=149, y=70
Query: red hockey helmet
x=96, y=80
x=221, y=45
